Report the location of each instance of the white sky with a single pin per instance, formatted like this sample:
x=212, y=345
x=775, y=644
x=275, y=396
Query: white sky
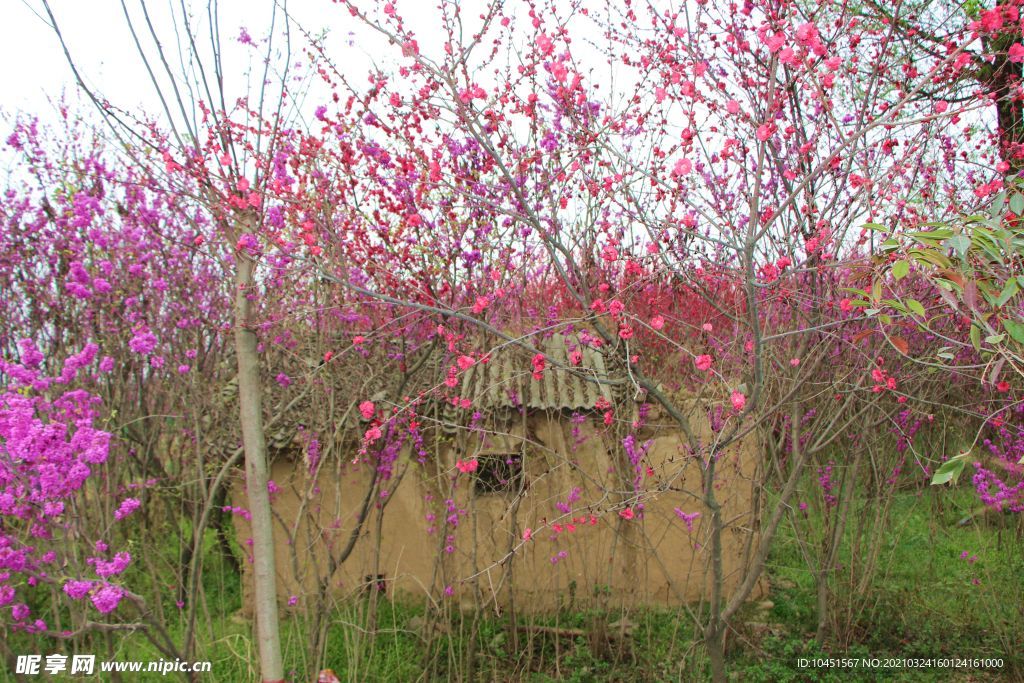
x=35, y=70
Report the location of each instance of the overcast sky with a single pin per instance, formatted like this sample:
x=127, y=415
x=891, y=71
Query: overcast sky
x=36, y=70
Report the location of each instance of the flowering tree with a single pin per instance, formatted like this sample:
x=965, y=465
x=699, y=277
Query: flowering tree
x=736, y=159
x=52, y=454
x=709, y=197
x=228, y=162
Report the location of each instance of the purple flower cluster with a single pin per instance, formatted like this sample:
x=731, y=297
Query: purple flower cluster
x=48, y=449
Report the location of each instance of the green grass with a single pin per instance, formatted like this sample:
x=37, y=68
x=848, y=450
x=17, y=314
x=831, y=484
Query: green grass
x=923, y=602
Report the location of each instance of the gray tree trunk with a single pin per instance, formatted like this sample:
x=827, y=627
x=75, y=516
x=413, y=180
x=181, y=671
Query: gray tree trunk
x=251, y=418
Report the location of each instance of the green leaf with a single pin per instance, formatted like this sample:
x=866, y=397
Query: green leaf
x=988, y=244
x=959, y=244
x=976, y=337
x=1009, y=290
x=895, y=304
x=931, y=256
x=931, y=235
x=900, y=269
x=950, y=470
x=1015, y=329
x=994, y=338
x=877, y=227
x=1017, y=203
x=915, y=307
x=997, y=203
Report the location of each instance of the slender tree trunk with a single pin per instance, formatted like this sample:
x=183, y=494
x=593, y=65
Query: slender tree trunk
x=714, y=632
x=251, y=417
x=832, y=551
x=821, y=632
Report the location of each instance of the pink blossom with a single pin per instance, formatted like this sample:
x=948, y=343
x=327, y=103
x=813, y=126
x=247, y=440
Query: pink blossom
x=77, y=589
x=658, y=322
x=143, y=342
x=738, y=400
x=703, y=362
x=538, y=363
x=806, y=32
x=248, y=243
x=688, y=518
x=367, y=409
x=482, y=302
x=107, y=598
x=467, y=466
x=775, y=41
x=127, y=507
x=465, y=362
x=1016, y=53
x=545, y=44
x=114, y=566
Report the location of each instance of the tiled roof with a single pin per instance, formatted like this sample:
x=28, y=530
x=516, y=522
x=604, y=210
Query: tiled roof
x=506, y=381
x=503, y=384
